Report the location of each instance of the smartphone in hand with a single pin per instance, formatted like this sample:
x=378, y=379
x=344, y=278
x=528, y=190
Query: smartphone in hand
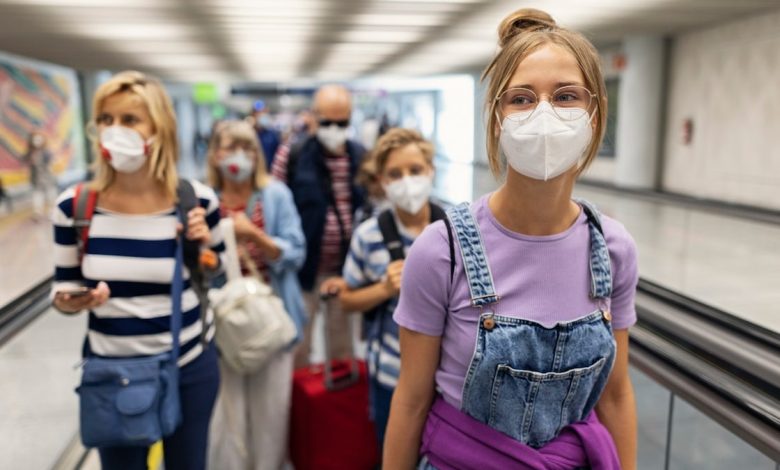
x=76, y=291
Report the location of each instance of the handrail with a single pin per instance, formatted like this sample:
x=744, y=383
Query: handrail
x=18, y=313
x=731, y=209
x=713, y=360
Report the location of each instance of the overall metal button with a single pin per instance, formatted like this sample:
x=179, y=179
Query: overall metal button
x=488, y=323
x=607, y=315
x=124, y=381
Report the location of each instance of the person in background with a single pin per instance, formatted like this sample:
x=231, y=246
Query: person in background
x=268, y=136
x=129, y=258
x=525, y=337
x=404, y=164
x=320, y=172
x=249, y=428
x=38, y=160
x=305, y=126
x=6, y=199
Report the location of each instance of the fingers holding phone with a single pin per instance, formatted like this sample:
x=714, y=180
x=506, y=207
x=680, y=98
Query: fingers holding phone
x=74, y=300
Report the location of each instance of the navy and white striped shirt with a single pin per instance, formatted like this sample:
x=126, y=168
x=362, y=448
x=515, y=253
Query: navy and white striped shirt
x=135, y=256
x=366, y=264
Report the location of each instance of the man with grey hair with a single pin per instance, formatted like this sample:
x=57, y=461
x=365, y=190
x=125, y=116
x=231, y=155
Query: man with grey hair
x=320, y=172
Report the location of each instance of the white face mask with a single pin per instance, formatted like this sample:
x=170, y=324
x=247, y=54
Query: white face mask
x=545, y=146
x=236, y=167
x=332, y=137
x=124, y=148
x=410, y=193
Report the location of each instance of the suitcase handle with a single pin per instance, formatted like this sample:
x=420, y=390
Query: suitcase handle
x=334, y=372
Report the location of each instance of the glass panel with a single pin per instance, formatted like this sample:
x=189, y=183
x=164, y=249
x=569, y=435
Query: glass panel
x=700, y=443
x=652, y=407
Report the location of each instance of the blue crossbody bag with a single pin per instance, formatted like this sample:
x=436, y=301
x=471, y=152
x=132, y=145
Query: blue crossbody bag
x=133, y=401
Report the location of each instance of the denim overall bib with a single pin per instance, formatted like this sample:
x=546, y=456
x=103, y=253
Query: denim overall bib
x=527, y=380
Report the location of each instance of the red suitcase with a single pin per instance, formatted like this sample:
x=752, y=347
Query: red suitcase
x=330, y=428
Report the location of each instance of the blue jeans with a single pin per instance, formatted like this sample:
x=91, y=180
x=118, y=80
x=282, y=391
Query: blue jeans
x=185, y=449
x=380, y=397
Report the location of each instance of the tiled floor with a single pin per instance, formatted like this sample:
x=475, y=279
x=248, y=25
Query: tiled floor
x=38, y=405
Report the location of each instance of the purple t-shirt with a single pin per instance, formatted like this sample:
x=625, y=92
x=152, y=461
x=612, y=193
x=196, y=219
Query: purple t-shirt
x=545, y=279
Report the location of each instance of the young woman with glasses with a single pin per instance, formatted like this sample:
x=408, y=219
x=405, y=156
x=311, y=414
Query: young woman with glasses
x=516, y=356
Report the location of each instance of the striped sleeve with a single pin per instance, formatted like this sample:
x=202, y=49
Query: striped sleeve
x=279, y=166
x=67, y=266
x=355, y=264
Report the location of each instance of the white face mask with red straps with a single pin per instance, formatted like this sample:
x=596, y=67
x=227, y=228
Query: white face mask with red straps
x=124, y=148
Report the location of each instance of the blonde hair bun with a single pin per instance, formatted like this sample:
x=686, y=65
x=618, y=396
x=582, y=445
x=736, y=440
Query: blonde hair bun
x=525, y=20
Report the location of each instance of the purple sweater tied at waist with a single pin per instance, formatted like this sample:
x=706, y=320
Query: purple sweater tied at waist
x=452, y=440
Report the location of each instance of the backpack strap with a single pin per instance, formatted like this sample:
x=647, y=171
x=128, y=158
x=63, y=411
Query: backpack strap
x=451, y=242
x=84, y=203
x=188, y=200
x=437, y=213
x=390, y=235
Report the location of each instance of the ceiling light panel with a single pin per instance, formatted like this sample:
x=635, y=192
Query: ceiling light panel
x=94, y=3
x=394, y=35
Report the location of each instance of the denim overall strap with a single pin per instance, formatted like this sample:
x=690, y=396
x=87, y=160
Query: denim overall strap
x=600, y=267
x=480, y=279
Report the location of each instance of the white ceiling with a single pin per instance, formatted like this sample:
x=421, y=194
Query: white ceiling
x=284, y=40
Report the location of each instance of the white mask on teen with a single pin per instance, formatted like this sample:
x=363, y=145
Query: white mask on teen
x=545, y=146
x=332, y=137
x=410, y=193
x=124, y=148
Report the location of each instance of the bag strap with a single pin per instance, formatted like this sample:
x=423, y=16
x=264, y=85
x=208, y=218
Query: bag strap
x=390, y=235
x=437, y=213
x=188, y=200
x=84, y=203
x=451, y=242
x=177, y=286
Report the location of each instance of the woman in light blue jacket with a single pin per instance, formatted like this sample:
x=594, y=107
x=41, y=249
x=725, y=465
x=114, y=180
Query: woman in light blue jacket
x=249, y=426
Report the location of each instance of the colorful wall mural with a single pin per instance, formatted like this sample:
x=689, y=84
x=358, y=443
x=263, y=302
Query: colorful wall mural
x=38, y=97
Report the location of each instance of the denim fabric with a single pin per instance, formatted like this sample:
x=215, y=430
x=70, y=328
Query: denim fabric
x=472, y=250
x=380, y=397
x=425, y=464
x=600, y=268
x=527, y=380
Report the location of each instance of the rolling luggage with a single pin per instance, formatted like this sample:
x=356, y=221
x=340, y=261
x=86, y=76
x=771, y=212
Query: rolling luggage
x=330, y=428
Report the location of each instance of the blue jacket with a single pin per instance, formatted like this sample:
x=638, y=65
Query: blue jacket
x=283, y=225
x=306, y=177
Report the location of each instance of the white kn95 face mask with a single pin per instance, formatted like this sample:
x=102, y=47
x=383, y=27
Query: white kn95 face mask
x=543, y=145
x=410, y=193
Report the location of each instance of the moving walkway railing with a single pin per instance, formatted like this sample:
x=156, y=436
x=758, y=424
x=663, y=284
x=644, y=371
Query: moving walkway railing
x=21, y=311
x=726, y=367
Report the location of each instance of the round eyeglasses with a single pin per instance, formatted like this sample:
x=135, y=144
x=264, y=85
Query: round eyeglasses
x=569, y=103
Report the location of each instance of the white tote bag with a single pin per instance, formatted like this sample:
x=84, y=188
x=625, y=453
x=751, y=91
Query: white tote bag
x=251, y=322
